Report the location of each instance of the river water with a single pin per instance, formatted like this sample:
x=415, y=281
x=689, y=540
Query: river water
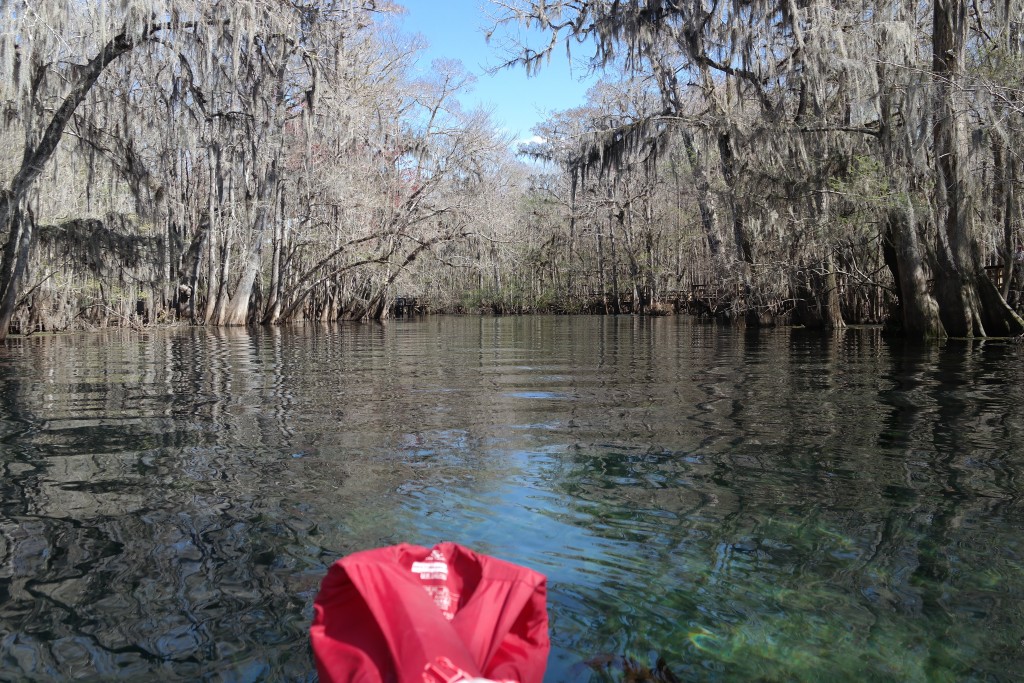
x=744, y=505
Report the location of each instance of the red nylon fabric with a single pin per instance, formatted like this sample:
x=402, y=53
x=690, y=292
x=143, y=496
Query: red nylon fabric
x=386, y=615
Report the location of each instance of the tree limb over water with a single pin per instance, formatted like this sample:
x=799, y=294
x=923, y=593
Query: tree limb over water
x=744, y=160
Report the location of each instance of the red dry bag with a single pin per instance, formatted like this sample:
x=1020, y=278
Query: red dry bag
x=415, y=615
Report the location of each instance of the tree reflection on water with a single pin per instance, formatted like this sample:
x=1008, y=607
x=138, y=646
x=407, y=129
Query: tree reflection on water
x=745, y=506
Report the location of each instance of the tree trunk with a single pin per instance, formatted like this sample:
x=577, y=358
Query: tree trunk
x=224, y=266
x=236, y=310
x=616, y=297
x=1013, y=274
x=969, y=303
x=223, y=271
x=827, y=286
x=744, y=251
x=273, y=312
x=954, y=276
x=919, y=312
x=705, y=203
x=193, y=278
x=601, y=282
x=1008, y=164
x=213, y=213
x=917, y=309
x=833, y=314
x=15, y=259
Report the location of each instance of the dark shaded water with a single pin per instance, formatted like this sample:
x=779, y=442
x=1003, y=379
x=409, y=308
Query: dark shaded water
x=748, y=506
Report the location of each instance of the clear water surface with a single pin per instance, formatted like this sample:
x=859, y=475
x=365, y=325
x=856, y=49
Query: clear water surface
x=744, y=505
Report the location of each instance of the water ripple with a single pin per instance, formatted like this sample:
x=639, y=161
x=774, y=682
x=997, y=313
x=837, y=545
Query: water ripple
x=746, y=506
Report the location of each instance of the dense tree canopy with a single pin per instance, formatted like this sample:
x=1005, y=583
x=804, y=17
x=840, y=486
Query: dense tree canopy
x=225, y=162
x=228, y=163
x=819, y=142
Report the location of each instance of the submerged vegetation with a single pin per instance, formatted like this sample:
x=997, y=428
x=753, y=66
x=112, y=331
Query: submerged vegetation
x=259, y=161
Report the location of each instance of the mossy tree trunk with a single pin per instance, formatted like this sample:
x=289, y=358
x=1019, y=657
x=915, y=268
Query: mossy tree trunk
x=970, y=305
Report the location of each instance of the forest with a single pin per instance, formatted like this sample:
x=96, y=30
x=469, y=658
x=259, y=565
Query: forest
x=245, y=162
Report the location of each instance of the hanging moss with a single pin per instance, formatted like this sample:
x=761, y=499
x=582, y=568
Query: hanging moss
x=108, y=248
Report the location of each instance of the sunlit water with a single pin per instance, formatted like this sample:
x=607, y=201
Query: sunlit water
x=771, y=505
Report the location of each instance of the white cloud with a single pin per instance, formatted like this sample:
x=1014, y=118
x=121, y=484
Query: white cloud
x=533, y=140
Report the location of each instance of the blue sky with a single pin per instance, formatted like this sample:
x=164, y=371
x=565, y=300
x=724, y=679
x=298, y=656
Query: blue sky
x=455, y=30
